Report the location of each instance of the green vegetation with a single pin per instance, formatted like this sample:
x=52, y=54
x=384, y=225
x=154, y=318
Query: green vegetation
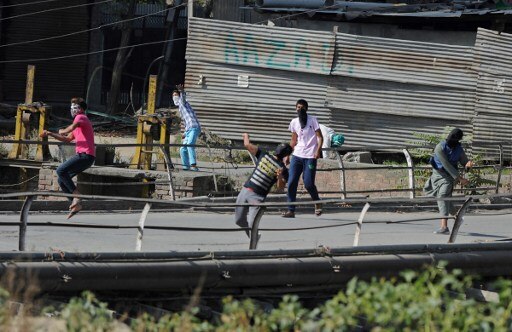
x=430, y=300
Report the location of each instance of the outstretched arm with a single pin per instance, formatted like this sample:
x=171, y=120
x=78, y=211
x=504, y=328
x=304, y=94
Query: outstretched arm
x=253, y=149
x=63, y=138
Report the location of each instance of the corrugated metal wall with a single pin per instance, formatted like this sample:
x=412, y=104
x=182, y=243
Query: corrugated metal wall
x=260, y=46
x=493, y=109
x=385, y=90
x=404, y=61
x=376, y=91
x=56, y=80
x=253, y=75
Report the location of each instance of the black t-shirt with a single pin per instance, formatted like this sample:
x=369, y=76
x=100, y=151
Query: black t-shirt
x=264, y=175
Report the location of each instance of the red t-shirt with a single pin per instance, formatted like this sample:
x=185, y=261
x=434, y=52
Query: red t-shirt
x=84, y=135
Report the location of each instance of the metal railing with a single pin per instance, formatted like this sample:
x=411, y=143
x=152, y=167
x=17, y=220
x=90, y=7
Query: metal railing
x=342, y=168
x=254, y=230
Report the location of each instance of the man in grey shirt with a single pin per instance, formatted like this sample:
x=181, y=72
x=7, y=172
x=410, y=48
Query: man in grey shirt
x=447, y=155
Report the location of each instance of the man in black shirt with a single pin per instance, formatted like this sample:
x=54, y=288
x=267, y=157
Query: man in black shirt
x=269, y=170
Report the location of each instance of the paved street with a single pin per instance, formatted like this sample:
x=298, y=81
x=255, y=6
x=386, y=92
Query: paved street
x=484, y=225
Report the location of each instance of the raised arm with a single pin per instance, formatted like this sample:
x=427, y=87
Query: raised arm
x=253, y=149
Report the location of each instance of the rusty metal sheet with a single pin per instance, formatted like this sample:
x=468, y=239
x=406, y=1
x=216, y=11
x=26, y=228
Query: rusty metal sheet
x=404, y=61
x=230, y=100
x=260, y=46
x=493, y=115
x=373, y=129
x=385, y=97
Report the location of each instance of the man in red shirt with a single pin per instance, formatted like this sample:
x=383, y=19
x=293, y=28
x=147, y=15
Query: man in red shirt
x=82, y=133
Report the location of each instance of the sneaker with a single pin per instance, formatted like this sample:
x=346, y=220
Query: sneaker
x=442, y=230
x=288, y=214
x=194, y=168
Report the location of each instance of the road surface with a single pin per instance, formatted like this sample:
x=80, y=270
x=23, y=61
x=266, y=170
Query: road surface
x=479, y=226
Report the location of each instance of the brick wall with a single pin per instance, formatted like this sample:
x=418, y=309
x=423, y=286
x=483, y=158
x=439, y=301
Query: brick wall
x=188, y=184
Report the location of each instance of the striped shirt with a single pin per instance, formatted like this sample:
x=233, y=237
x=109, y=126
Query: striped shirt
x=187, y=113
x=264, y=175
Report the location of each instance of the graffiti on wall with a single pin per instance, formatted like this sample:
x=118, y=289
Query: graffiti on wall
x=278, y=54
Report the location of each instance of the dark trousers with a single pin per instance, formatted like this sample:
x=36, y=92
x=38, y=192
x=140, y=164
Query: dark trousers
x=70, y=168
x=306, y=167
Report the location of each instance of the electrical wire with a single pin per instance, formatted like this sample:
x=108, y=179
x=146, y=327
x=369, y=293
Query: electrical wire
x=53, y=9
x=28, y=3
x=149, y=43
x=88, y=30
x=91, y=53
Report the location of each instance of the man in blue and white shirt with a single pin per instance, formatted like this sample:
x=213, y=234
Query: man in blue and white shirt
x=192, y=129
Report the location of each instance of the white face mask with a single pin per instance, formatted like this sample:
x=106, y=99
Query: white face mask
x=75, y=110
x=176, y=100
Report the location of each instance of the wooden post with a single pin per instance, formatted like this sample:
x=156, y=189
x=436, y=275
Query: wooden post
x=143, y=154
x=29, y=89
x=20, y=132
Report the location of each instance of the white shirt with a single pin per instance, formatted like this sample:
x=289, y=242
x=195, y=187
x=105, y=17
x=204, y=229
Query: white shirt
x=327, y=134
x=307, y=142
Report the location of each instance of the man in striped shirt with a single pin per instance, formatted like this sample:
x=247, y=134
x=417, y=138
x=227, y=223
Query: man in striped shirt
x=270, y=169
x=192, y=129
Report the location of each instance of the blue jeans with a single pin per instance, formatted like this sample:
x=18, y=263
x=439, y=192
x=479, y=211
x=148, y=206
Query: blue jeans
x=188, y=153
x=70, y=168
x=306, y=167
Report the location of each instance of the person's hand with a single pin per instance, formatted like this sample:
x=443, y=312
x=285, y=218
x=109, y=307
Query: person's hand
x=179, y=86
x=245, y=136
x=44, y=133
x=182, y=136
x=286, y=160
x=463, y=181
x=279, y=173
x=62, y=131
x=470, y=164
x=318, y=154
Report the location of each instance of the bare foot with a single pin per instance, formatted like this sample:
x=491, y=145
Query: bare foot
x=76, y=201
x=75, y=210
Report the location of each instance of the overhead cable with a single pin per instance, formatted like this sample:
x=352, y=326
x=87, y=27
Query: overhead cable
x=53, y=9
x=88, y=30
x=90, y=53
x=29, y=3
x=137, y=45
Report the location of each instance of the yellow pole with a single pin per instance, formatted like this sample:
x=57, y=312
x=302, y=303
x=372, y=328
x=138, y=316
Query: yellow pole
x=20, y=131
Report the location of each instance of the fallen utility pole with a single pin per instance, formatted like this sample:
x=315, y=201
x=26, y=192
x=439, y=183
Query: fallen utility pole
x=246, y=271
